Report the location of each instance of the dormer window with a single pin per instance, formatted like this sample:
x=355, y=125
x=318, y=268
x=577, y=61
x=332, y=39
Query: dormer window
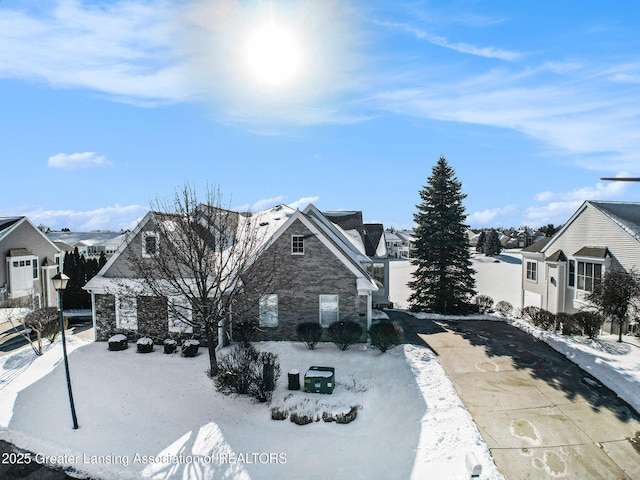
x=297, y=245
x=150, y=244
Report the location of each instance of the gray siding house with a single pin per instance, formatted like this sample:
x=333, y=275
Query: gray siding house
x=327, y=280
x=559, y=272
x=28, y=260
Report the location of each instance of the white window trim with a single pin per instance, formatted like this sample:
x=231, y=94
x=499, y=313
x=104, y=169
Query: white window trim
x=301, y=237
x=146, y=235
x=176, y=323
x=320, y=309
x=591, y=261
x=268, y=310
x=126, y=323
x=534, y=263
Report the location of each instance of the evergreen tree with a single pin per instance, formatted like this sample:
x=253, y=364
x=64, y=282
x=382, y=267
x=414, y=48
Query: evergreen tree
x=443, y=280
x=492, y=245
x=481, y=239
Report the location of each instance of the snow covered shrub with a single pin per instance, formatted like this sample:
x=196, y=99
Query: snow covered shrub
x=118, y=342
x=385, y=335
x=145, y=345
x=341, y=417
x=279, y=413
x=302, y=418
x=484, y=303
x=244, y=331
x=529, y=312
x=589, y=322
x=170, y=345
x=504, y=308
x=190, y=348
x=344, y=333
x=309, y=333
x=544, y=319
x=246, y=372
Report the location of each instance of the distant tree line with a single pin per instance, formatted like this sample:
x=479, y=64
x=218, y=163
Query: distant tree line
x=80, y=271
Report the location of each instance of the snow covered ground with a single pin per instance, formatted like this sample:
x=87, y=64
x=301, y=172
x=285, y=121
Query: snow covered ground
x=159, y=416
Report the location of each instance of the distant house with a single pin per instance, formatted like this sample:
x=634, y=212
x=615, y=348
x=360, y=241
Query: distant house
x=330, y=276
x=559, y=272
x=28, y=260
x=89, y=244
x=399, y=243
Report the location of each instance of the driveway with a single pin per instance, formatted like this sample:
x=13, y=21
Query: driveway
x=541, y=416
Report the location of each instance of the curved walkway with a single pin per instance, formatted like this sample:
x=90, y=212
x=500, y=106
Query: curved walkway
x=541, y=416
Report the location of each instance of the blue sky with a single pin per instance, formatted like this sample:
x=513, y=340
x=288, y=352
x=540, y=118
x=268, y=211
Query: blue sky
x=106, y=106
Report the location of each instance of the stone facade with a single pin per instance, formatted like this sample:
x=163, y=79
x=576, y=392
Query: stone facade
x=303, y=278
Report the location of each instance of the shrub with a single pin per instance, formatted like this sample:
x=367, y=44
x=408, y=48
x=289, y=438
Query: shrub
x=484, y=303
x=309, y=333
x=244, y=371
x=301, y=418
x=539, y=317
x=343, y=418
x=245, y=330
x=529, y=312
x=567, y=324
x=279, y=413
x=118, y=342
x=344, y=333
x=385, y=335
x=504, y=308
x=589, y=322
x=170, y=345
x=145, y=345
x=190, y=348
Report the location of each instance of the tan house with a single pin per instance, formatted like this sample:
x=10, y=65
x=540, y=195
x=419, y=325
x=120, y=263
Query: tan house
x=559, y=272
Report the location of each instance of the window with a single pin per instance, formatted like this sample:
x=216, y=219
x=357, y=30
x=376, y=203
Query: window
x=35, y=268
x=126, y=313
x=149, y=244
x=297, y=245
x=178, y=313
x=269, y=311
x=328, y=309
x=377, y=272
x=588, y=274
x=532, y=271
x=572, y=273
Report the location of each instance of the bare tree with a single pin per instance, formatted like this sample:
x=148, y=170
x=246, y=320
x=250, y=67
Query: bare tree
x=40, y=323
x=615, y=294
x=199, y=261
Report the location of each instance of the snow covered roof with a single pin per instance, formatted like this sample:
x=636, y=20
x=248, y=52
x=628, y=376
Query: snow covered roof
x=87, y=238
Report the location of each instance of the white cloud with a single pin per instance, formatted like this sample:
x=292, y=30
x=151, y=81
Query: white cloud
x=559, y=206
x=116, y=217
x=77, y=160
x=490, y=216
x=461, y=47
x=303, y=202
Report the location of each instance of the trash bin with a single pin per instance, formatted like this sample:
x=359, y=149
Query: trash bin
x=320, y=380
x=294, y=380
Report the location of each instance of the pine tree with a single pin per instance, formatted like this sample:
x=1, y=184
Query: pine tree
x=492, y=245
x=443, y=280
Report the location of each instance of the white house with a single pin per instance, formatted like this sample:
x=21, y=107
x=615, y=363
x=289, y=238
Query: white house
x=559, y=272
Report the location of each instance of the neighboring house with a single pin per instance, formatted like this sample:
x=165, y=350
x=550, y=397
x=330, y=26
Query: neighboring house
x=28, y=260
x=326, y=268
x=559, y=272
x=89, y=244
x=399, y=243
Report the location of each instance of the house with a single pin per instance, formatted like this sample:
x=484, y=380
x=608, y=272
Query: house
x=28, y=260
x=559, y=272
x=399, y=243
x=89, y=244
x=327, y=269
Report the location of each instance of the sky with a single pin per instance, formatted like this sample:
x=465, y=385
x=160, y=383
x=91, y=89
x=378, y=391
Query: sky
x=108, y=107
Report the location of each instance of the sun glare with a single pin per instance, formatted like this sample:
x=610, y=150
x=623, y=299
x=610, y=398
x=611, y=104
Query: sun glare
x=274, y=56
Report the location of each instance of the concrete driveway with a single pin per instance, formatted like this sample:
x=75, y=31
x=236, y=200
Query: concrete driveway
x=541, y=416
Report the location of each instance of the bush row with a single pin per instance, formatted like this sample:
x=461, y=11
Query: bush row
x=119, y=342
x=585, y=322
x=383, y=335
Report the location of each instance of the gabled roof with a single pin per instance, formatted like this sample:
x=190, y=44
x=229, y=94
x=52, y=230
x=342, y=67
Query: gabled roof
x=6, y=223
x=537, y=247
x=19, y=252
x=593, y=252
x=625, y=214
x=557, y=256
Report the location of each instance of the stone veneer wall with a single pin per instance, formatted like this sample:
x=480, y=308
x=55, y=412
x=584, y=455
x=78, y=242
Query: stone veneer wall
x=317, y=272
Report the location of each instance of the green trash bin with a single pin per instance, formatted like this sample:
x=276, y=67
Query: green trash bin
x=294, y=380
x=320, y=380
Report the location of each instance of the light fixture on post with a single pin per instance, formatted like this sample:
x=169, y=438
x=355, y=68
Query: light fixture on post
x=60, y=281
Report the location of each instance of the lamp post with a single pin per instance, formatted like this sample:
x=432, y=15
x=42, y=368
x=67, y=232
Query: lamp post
x=60, y=283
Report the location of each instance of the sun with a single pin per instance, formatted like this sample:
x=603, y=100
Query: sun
x=274, y=56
